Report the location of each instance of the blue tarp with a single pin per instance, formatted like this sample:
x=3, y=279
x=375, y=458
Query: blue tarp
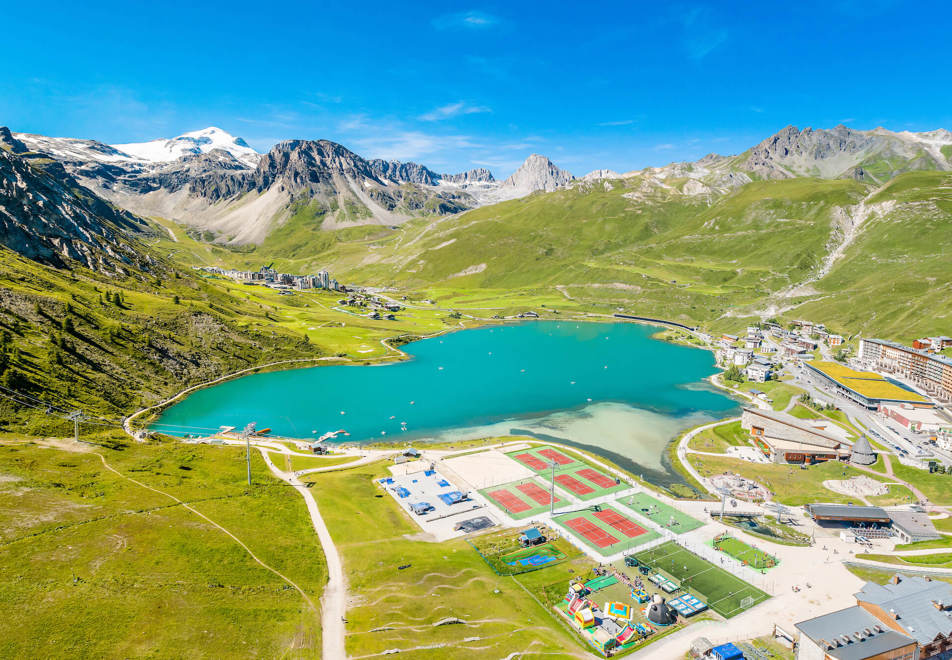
x=401, y=492
x=726, y=652
x=443, y=483
x=387, y=480
x=429, y=473
x=452, y=497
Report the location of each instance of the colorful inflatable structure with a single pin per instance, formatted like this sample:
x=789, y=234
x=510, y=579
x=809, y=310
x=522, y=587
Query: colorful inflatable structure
x=618, y=611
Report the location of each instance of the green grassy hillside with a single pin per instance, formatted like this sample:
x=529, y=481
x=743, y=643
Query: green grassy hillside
x=108, y=346
x=95, y=565
x=711, y=259
x=78, y=339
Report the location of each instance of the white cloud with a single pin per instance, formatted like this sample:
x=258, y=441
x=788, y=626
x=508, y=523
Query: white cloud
x=621, y=122
x=453, y=110
x=466, y=20
x=664, y=147
x=409, y=145
x=700, y=33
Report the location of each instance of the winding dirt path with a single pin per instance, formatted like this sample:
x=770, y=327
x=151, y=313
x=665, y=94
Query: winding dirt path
x=201, y=515
x=334, y=600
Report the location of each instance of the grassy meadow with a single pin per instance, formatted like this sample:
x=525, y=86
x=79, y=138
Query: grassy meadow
x=94, y=565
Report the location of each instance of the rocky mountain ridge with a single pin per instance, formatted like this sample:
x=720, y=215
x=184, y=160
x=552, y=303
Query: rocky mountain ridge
x=47, y=216
x=215, y=187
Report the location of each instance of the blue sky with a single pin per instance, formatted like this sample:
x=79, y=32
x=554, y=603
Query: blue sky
x=615, y=85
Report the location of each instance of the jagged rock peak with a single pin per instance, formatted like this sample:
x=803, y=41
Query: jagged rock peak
x=477, y=175
x=596, y=175
x=10, y=143
x=304, y=163
x=538, y=173
x=394, y=170
x=45, y=215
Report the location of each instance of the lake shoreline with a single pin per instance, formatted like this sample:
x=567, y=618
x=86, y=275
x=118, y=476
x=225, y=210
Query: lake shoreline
x=646, y=393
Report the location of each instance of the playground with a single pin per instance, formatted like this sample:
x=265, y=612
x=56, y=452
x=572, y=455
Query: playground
x=537, y=556
x=743, y=552
x=608, y=611
x=607, y=531
x=504, y=554
x=660, y=513
x=723, y=592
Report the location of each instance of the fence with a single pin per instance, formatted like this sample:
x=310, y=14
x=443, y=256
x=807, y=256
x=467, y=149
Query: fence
x=728, y=563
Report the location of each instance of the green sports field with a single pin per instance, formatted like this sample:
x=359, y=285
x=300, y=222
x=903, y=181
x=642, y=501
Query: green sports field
x=660, y=513
x=722, y=591
x=595, y=531
x=743, y=552
x=572, y=475
x=517, y=503
x=535, y=458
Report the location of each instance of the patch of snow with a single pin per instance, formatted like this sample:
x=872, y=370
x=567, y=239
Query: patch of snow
x=191, y=143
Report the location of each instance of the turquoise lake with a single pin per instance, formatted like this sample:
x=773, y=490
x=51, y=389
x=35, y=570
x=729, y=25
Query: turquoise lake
x=608, y=387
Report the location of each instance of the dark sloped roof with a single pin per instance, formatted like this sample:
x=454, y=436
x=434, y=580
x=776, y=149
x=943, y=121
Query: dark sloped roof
x=852, y=634
x=863, y=452
x=847, y=511
x=914, y=599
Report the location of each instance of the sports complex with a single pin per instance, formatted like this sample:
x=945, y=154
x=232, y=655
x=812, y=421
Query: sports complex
x=538, y=507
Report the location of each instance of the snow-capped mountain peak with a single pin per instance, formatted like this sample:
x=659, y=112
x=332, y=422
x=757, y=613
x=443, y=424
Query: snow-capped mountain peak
x=191, y=143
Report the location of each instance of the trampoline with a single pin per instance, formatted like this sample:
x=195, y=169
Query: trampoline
x=617, y=610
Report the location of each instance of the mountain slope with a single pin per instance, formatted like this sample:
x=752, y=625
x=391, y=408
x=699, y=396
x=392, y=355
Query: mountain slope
x=191, y=144
x=848, y=253
x=91, y=318
x=877, y=155
x=218, y=185
x=537, y=173
x=47, y=216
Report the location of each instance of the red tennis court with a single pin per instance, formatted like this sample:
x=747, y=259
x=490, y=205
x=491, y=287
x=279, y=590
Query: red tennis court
x=536, y=493
x=573, y=484
x=597, y=478
x=553, y=455
x=532, y=461
x=619, y=522
x=587, y=529
x=509, y=501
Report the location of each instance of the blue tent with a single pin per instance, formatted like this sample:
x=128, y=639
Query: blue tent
x=726, y=652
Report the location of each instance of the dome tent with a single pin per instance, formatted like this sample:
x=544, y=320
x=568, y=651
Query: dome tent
x=660, y=613
x=863, y=453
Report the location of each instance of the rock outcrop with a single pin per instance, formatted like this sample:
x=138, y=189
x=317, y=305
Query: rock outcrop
x=45, y=215
x=538, y=173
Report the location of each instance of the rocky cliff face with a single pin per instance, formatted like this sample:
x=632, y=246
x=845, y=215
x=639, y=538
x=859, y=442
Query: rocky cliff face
x=396, y=171
x=47, y=216
x=538, y=173
x=841, y=152
x=478, y=175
